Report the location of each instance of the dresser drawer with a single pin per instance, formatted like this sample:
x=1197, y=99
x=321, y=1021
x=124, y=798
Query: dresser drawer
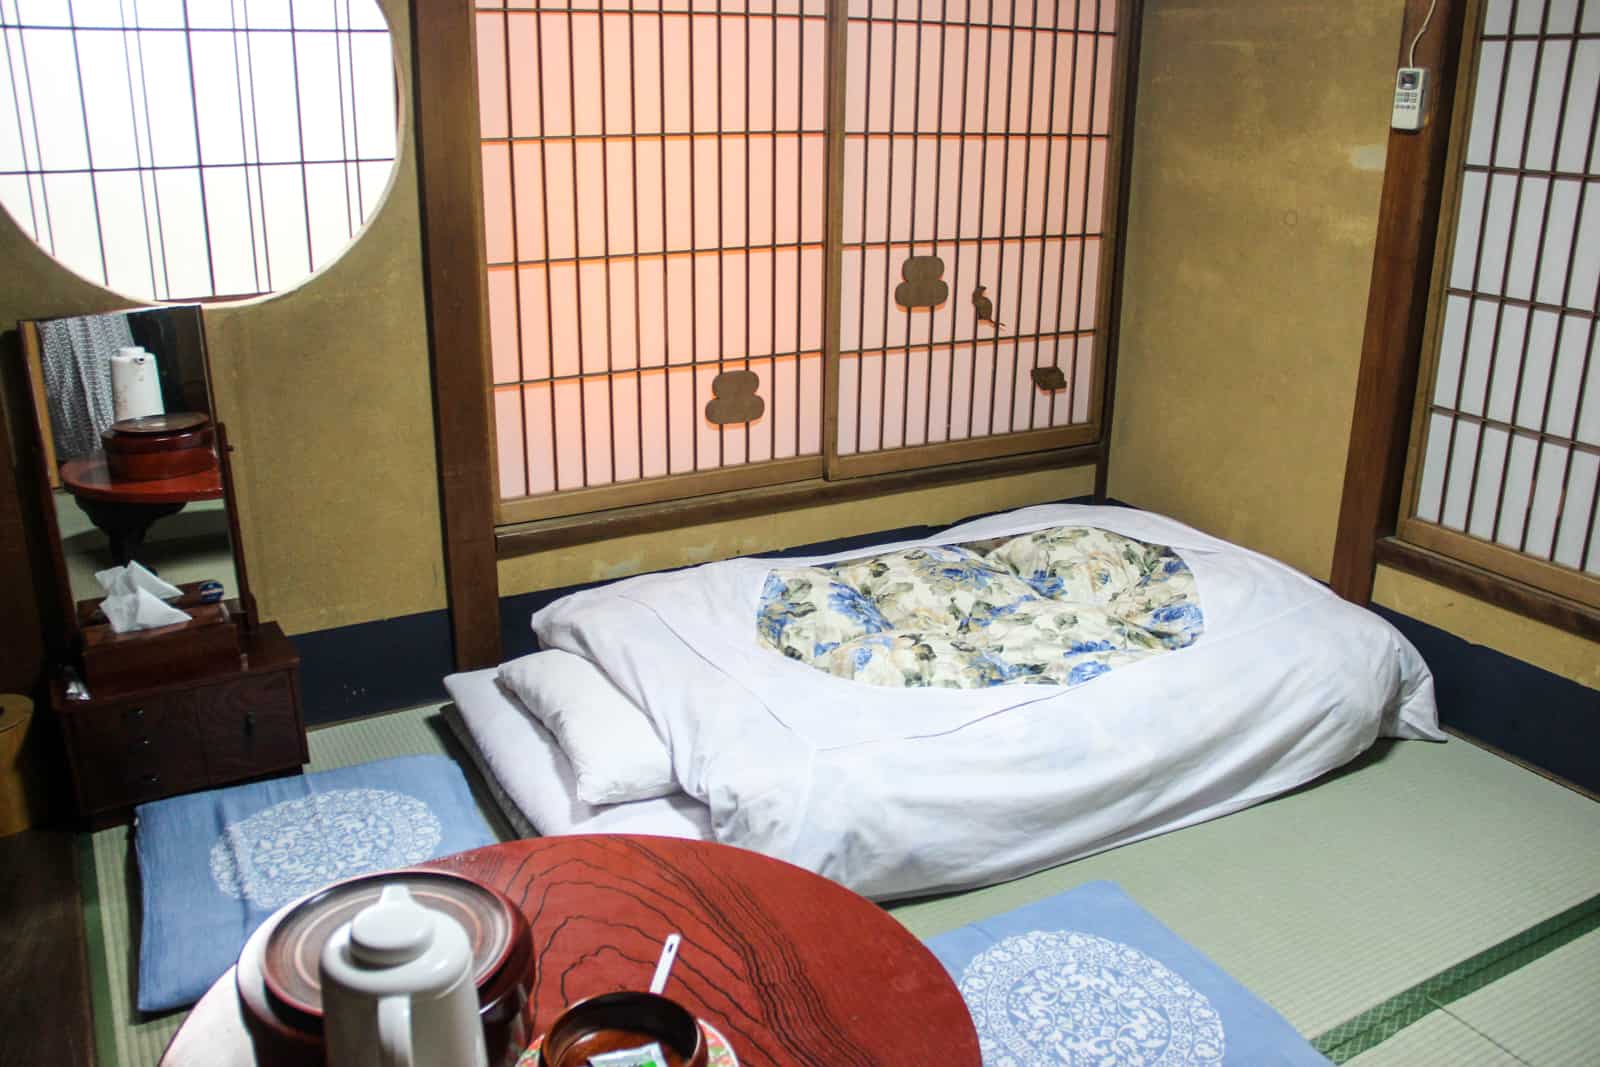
x=128, y=753
x=127, y=746
x=249, y=725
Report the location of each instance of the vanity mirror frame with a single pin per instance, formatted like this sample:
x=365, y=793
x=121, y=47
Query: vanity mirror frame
x=69, y=639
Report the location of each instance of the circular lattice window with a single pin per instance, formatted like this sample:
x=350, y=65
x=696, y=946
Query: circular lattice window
x=194, y=149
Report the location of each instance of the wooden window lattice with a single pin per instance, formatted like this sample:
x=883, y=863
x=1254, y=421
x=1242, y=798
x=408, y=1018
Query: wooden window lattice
x=1509, y=444
x=656, y=215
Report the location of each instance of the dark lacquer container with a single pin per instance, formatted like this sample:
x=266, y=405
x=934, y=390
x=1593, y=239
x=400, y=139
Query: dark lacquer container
x=613, y=1021
x=279, y=980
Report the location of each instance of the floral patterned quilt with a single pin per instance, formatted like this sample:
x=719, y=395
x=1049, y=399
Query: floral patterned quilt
x=1052, y=607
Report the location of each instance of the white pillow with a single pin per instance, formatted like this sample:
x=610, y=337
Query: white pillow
x=610, y=742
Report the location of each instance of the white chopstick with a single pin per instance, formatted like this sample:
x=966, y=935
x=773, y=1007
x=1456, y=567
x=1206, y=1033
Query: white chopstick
x=669, y=952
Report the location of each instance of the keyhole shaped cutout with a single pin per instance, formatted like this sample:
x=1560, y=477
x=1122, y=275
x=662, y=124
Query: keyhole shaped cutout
x=924, y=285
x=734, y=399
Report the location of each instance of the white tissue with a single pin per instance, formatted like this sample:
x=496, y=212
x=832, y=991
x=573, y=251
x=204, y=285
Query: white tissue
x=134, y=599
x=135, y=576
x=140, y=611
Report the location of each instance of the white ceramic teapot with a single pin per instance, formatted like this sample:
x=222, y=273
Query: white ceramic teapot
x=397, y=989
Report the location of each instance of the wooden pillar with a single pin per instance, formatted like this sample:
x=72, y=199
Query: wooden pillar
x=444, y=71
x=1397, y=307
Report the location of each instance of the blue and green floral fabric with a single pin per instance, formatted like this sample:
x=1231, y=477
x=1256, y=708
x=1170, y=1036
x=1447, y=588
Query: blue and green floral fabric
x=1052, y=607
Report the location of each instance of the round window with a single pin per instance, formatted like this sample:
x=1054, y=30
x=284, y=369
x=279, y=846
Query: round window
x=195, y=149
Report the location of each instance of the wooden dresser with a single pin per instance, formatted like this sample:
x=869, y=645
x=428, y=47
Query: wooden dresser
x=129, y=745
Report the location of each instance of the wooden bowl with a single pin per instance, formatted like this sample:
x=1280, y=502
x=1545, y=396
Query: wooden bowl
x=158, y=447
x=613, y=1021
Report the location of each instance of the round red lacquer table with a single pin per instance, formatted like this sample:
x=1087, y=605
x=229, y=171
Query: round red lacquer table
x=124, y=510
x=790, y=967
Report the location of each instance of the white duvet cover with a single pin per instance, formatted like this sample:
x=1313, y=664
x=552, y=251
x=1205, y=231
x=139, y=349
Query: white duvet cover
x=897, y=792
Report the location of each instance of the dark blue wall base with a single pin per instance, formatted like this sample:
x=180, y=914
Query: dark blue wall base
x=350, y=671
x=1543, y=718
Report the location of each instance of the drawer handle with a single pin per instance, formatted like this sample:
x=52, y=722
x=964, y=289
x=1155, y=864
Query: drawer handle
x=152, y=779
x=143, y=742
x=137, y=714
x=249, y=724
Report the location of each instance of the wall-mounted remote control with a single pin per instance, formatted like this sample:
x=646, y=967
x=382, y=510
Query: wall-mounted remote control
x=1410, y=89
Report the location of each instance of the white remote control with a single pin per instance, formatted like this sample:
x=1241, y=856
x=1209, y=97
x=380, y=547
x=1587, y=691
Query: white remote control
x=1410, y=93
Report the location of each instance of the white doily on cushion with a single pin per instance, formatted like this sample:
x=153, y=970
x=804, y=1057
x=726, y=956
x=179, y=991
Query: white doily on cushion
x=1064, y=997
x=293, y=848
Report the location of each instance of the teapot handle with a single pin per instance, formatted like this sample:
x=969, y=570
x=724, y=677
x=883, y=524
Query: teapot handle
x=394, y=1031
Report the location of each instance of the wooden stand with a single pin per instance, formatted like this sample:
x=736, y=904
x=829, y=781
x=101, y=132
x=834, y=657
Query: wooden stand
x=129, y=744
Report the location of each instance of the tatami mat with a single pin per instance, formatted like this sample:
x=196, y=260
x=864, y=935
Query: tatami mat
x=1439, y=1040
x=1329, y=900
x=1325, y=902
x=125, y=1039
x=1548, y=1013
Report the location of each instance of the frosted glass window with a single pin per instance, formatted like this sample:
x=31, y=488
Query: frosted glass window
x=1512, y=439
x=194, y=149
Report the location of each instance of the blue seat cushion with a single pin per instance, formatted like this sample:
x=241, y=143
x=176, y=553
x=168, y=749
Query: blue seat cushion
x=213, y=865
x=1089, y=977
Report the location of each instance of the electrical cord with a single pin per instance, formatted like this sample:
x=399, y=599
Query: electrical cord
x=1411, y=59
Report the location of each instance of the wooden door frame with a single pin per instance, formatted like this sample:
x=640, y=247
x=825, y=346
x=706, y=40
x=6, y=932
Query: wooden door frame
x=1397, y=306
x=1394, y=350
x=449, y=186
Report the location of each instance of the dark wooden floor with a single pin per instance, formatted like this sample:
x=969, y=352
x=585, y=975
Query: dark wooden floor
x=44, y=974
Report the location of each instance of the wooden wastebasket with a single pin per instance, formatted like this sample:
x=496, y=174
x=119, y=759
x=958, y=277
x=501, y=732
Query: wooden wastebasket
x=19, y=800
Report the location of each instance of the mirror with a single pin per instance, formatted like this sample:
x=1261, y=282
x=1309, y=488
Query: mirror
x=132, y=452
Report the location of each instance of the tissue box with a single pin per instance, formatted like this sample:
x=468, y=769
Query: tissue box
x=208, y=642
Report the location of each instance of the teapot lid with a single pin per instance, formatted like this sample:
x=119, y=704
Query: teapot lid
x=394, y=930
x=404, y=948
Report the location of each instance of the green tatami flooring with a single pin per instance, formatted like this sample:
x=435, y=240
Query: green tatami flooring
x=1328, y=903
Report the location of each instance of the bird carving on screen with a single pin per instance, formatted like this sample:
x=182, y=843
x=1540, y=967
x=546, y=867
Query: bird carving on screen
x=984, y=307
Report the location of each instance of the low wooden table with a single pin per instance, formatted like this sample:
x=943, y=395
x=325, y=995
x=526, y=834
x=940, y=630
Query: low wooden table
x=790, y=967
x=124, y=510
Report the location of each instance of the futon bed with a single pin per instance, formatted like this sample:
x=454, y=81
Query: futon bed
x=1014, y=692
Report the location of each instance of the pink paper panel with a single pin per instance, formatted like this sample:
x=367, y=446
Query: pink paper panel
x=654, y=179
x=984, y=144
x=662, y=218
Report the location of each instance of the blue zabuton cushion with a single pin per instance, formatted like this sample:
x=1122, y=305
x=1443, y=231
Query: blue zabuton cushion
x=1089, y=977
x=213, y=865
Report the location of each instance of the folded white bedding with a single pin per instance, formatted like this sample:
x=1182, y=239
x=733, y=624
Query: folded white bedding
x=901, y=792
x=523, y=758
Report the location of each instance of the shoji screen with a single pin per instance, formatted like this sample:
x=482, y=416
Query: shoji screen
x=1509, y=447
x=977, y=132
x=196, y=149
x=654, y=180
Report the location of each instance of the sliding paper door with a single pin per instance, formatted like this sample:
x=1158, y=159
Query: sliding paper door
x=1505, y=468
x=653, y=208
x=976, y=149
x=733, y=243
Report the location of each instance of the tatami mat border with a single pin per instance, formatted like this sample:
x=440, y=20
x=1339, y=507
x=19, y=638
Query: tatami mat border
x=105, y=1038
x=1371, y=1028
